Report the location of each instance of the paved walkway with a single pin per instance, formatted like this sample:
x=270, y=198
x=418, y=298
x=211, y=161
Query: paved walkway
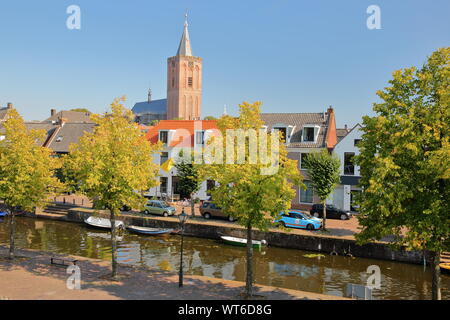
x=31, y=276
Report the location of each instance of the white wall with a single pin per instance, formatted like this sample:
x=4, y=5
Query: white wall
x=347, y=145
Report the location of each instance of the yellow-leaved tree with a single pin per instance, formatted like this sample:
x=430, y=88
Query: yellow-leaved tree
x=113, y=164
x=27, y=170
x=255, y=179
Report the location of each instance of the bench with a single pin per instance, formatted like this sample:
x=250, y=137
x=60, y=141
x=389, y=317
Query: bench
x=62, y=262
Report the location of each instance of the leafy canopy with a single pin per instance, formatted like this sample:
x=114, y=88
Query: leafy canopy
x=81, y=110
x=405, y=159
x=189, y=179
x=243, y=192
x=324, y=172
x=114, y=161
x=26, y=168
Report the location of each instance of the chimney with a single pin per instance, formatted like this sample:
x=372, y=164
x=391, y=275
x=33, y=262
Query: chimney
x=330, y=110
x=52, y=112
x=9, y=105
x=345, y=127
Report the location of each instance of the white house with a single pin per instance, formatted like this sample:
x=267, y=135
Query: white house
x=346, y=149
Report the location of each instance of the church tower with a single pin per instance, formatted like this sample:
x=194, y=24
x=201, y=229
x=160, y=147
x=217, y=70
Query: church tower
x=184, y=82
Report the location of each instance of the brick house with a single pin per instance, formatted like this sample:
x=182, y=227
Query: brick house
x=304, y=133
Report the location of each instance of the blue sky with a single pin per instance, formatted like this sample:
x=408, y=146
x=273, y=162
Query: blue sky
x=293, y=55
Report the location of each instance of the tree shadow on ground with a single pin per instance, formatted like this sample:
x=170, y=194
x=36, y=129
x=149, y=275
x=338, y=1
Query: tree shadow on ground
x=136, y=283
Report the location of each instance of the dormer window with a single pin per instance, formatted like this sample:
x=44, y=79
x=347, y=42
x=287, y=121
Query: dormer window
x=59, y=139
x=282, y=132
x=163, y=136
x=310, y=133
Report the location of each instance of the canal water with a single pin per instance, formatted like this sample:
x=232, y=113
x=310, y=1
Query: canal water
x=287, y=268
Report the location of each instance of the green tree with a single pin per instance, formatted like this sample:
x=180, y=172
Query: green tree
x=81, y=110
x=112, y=164
x=209, y=118
x=324, y=172
x=405, y=162
x=26, y=170
x=250, y=197
x=189, y=179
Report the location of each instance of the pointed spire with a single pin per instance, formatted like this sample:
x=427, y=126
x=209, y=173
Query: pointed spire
x=224, y=110
x=184, y=49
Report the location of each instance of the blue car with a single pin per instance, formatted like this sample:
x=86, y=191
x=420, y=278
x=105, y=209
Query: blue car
x=299, y=219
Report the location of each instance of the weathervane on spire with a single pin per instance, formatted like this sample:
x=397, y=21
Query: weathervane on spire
x=186, y=19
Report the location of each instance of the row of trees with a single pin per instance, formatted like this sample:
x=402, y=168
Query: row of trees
x=405, y=168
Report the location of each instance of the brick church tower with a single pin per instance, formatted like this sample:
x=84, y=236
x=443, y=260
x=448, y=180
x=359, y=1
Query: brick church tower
x=184, y=82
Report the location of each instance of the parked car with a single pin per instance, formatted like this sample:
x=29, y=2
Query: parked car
x=332, y=212
x=159, y=207
x=299, y=219
x=125, y=208
x=209, y=209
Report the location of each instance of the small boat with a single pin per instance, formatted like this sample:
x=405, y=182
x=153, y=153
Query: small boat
x=445, y=267
x=103, y=223
x=242, y=242
x=150, y=231
x=3, y=213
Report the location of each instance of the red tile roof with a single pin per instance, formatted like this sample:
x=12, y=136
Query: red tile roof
x=184, y=130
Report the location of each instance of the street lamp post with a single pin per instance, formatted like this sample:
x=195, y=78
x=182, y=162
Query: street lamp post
x=183, y=218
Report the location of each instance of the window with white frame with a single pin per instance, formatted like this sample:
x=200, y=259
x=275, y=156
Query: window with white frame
x=306, y=195
x=164, y=157
x=303, y=157
x=308, y=134
x=282, y=131
x=163, y=136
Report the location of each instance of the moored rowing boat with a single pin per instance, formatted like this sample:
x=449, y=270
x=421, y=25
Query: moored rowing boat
x=150, y=231
x=103, y=223
x=243, y=242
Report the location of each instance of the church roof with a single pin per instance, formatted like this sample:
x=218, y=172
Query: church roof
x=184, y=49
x=154, y=106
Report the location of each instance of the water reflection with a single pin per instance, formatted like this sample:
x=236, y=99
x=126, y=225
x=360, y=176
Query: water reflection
x=274, y=266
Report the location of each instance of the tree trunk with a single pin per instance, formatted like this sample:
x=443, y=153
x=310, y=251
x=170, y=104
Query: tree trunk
x=12, y=233
x=324, y=216
x=113, y=244
x=192, y=205
x=249, y=276
x=436, y=282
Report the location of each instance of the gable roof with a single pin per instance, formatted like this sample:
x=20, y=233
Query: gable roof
x=154, y=107
x=71, y=116
x=299, y=120
x=67, y=134
x=341, y=133
x=348, y=132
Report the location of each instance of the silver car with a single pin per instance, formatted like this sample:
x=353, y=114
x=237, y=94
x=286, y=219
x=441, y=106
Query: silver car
x=159, y=207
